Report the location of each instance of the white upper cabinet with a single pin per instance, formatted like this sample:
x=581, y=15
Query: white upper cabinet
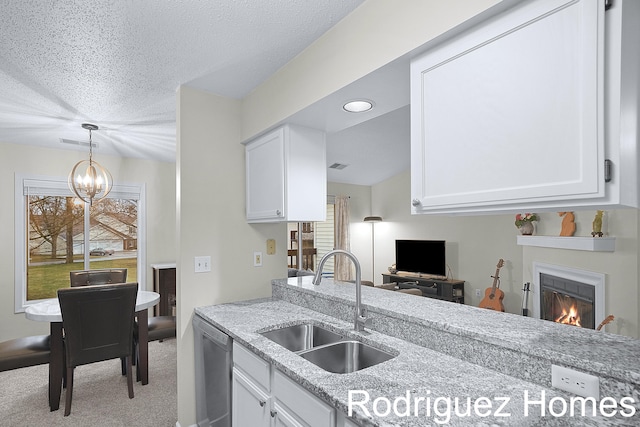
x=522, y=110
x=286, y=174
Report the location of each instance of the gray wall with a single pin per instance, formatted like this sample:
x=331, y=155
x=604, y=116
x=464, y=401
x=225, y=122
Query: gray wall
x=159, y=178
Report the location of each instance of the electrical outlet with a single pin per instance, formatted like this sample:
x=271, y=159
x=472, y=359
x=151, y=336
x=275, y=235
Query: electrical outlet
x=202, y=264
x=478, y=294
x=575, y=382
x=257, y=259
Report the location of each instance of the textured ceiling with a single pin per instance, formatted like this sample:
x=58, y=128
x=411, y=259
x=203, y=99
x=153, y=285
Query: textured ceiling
x=118, y=63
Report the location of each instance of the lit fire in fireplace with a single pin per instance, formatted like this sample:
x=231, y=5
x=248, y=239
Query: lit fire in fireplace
x=569, y=315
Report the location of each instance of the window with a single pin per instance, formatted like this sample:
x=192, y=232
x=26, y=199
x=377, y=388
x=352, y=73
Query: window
x=56, y=233
x=317, y=239
x=325, y=240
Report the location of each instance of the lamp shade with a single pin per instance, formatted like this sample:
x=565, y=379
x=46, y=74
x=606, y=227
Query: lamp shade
x=372, y=219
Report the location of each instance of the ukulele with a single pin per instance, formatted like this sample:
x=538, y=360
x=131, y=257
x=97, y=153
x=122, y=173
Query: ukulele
x=493, y=296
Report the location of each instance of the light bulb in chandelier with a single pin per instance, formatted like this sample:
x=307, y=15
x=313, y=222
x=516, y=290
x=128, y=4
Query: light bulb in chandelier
x=88, y=180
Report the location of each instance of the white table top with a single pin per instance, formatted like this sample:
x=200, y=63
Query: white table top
x=48, y=310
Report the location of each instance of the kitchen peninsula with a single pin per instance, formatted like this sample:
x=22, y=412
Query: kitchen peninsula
x=442, y=351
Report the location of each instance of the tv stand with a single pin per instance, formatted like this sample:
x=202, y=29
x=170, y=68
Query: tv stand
x=446, y=290
x=420, y=275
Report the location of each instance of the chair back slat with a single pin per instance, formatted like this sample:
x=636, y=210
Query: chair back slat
x=97, y=322
x=97, y=277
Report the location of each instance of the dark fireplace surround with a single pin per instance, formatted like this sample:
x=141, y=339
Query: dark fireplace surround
x=567, y=301
x=567, y=294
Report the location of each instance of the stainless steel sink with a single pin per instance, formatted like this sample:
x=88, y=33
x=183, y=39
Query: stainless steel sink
x=302, y=337
x=346, y=356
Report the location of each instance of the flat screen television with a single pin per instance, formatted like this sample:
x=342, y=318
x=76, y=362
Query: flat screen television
x=421, y=256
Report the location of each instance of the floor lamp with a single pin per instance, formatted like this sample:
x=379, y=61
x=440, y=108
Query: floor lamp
x=373, y=220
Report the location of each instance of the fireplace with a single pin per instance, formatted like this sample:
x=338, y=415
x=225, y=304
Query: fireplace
x=567, y=301
x=568, y=295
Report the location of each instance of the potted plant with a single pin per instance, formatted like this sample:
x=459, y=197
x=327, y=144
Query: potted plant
x=524, y=222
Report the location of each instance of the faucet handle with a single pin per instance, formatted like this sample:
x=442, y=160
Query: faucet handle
x=362, y=320
x=367, y=321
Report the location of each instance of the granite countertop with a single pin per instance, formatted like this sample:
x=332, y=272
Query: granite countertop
x=421, y=372
x=600, y=353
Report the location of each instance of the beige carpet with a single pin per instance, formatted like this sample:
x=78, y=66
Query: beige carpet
x=99, y=395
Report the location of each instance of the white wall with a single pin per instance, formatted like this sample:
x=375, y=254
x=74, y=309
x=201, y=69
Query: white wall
x=476, y=243
x=159, y=178
x=211, y=221
x=376, y=33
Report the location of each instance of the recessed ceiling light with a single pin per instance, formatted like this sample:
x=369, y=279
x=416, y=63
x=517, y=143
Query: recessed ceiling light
x=358, y=106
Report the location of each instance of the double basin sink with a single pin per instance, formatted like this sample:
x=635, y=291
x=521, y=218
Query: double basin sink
x=327, y=349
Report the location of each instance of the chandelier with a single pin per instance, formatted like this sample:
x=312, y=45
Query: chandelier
x=88, y=180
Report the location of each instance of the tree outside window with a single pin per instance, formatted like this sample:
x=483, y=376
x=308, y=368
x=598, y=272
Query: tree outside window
x=56, y=240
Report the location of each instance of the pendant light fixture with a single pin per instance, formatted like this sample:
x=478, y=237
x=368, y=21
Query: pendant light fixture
x=88, y=180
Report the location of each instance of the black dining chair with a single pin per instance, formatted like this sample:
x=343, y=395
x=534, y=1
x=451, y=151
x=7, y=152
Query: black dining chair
x=97, y=277
x=159, y=329
x=98, y=325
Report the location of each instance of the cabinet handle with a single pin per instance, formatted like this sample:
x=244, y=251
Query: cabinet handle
x=262, y=403
x=273, y=413
x=415, y=202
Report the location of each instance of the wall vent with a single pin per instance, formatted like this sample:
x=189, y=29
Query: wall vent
x=338, y=166
x=80, y=143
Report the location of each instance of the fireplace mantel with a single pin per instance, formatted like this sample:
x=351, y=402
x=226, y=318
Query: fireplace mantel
x=594, y=244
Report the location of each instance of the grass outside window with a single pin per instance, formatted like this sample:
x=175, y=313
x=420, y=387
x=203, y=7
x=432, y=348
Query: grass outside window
x=45, y=280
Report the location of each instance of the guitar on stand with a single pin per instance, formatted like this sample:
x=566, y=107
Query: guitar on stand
x=493, y=296
x=525, y=299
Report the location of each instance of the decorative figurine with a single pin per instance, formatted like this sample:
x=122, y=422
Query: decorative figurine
x=568, y=226
x=597, y=224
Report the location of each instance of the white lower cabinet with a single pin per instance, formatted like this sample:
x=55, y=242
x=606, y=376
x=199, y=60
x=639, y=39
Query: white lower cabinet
x=282, y=418
x=250, y=404
x=342, y=420
x=264, y=396
x=299, y=404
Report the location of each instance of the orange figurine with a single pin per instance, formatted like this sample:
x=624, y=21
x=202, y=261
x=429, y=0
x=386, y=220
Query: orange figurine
x=568, y=226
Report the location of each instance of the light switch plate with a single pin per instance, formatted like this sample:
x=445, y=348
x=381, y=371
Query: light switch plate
x=257, y=259
x=202, y=264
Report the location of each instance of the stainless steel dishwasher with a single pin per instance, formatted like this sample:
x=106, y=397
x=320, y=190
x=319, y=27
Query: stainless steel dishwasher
x=213, y=369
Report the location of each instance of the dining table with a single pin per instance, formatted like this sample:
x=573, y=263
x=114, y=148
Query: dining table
x=48, y=310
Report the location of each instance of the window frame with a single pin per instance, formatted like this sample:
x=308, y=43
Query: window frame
x=58, y=186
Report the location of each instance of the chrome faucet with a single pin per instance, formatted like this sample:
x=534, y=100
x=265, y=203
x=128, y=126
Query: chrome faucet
x=360, y=315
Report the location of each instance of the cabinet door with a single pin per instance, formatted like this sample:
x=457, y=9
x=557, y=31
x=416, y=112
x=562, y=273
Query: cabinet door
x=510, y=112
x=281, y=418
x=342, y=420
x=265, y=172
x=251, y=406
x=299, y=404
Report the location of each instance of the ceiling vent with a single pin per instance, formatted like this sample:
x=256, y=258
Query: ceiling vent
x=338, y=166
x=79, y=143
